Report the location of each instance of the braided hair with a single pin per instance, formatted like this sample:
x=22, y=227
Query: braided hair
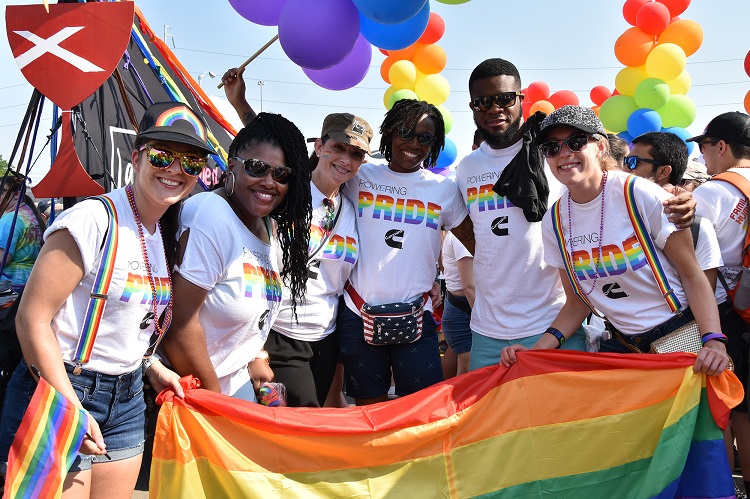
x=293, y=215
x=406, y=113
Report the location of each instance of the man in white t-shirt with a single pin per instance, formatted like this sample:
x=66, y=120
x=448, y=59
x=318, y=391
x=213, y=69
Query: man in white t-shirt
x=725, y=145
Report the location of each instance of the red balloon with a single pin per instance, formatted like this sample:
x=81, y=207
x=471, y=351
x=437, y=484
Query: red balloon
x=653, y=18
x=526, y=108
x=631, y=8
x=747, y=64
x=676, y=7
x=563, y=98
x=615, y=92
x=599, y=94
x=384, y=52
x=434, y=31
x=537, y=91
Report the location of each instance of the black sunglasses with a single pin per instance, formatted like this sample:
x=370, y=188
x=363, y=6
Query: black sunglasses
x=702, y=143
x=160, y=157
x=257, y=168
x=506, y=99
x=632, y=162
x=575, y=143
x=425, y=138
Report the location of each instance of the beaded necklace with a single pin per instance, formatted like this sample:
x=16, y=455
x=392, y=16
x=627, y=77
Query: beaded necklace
x=601, y=230
x=168, y=313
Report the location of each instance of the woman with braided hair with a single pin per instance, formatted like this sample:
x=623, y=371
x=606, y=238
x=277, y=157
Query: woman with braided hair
x=401, y=210
x=227, y=282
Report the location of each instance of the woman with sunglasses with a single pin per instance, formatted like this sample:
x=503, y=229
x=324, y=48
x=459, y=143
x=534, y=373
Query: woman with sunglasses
x=107, y=380
x=401, y=210
x=232, y=243
x=589, y=236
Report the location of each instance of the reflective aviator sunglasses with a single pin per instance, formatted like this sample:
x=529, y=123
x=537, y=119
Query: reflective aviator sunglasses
x=258, y=168
x=575, y=143
x=161, y=157
x=425, y=139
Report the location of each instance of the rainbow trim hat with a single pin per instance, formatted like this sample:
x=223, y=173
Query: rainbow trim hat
x=174, y=122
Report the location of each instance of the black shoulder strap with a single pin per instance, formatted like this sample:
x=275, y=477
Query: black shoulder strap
x=695, y=230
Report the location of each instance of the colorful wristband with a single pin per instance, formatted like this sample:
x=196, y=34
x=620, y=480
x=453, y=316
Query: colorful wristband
x=557, y=334
x=713, y=336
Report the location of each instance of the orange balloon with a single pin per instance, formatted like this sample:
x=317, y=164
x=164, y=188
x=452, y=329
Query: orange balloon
x=686, y=33
x=385, y=68
x=542, y=105
x=632, y=47
x=403, y=54
x=596, y=109
x=747, y=102
x=429, y=59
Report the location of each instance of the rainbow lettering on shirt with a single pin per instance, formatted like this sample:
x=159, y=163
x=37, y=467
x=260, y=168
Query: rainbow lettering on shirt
x=615, y=260
x=137, y=287
x=339, y=247
x=266, y=281
x=485, y=199
x=409, y=211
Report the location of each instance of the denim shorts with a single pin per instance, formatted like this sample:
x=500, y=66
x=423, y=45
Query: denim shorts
x=368, y=368
x=456, y=327
x=115, y=402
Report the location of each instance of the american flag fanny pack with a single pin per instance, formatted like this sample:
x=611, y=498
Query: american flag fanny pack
x=390, y=323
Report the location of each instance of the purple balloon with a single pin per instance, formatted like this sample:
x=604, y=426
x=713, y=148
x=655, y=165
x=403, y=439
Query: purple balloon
x=264, y=12
x=348, y=72
x=319, y=34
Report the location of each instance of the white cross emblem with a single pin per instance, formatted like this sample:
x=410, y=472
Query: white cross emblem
x=52, y=45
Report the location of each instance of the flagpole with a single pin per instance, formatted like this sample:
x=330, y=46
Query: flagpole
x=252, y=57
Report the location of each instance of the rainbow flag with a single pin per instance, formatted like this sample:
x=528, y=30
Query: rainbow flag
x=45, y=445
x=556, y=424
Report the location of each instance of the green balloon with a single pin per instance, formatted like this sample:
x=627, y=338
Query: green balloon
x=679, y=111
x=452, y=2
x=447, y=118
x=398, y=95
x=615, y=111
x=652, y=93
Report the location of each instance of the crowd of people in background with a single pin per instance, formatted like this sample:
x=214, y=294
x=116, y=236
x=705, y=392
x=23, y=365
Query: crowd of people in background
x=319, y=270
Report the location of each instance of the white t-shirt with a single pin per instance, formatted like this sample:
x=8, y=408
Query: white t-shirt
x=626, y=291
x=707, y=251
x=329, y=269
x=725, y=207
x=399, y=219
x=516, y=293
x=241, y=275
x=453, y=251
x=127, y=323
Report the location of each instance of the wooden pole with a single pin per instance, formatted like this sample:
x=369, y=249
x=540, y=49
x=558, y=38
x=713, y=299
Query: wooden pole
x=252, y=57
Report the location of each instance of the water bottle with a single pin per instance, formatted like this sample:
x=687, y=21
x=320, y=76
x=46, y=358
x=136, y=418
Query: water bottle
x=742, y=295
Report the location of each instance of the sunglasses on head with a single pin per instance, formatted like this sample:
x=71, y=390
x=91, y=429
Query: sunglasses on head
x=257, y=168
x=506, y=99
x=704, y=143
x=425, y=138
x=632, y=162
x=161, y=157
x=575, y=143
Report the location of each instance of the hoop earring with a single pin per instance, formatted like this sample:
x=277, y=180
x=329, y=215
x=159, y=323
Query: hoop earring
x=226, y=184
x=286, y=205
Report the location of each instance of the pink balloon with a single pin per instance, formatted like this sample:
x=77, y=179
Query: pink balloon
x=264, y=12
x=348, y=72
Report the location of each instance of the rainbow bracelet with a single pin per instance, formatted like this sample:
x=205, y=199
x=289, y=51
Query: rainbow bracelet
x=713, y=336
x=557, y=334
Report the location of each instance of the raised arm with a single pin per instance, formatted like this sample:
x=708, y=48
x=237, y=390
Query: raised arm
x=234, y=89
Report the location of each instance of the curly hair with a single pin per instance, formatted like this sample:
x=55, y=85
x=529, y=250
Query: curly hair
x=669, y=149
x=494, y=67
x=406, y=113
x=293, y=215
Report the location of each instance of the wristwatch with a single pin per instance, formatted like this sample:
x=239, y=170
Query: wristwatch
x=147, y=362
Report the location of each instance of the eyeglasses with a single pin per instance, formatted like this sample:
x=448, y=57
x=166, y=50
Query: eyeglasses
x=425, y=139
x=161, y=157
x=506, y=99
x=702, y=143
x=257, y=168
x=575, y=143
x=326, y=223
x=632, y=162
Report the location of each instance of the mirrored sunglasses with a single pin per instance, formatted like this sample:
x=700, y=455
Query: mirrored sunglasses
x=506, y=99
x=576, y=143
x=326, y=223
x=425, y=139
x=161, y=157
x=632, y=162
x=257, y=168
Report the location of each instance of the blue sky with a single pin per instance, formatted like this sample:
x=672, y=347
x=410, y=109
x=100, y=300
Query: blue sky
x=569, y=45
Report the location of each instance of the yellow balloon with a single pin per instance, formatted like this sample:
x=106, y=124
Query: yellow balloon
x=403, y=74
x=628, y=78
x=681, y=84
x=666, y=61
x=447, y=118
x=434, y=89
x=387, y=96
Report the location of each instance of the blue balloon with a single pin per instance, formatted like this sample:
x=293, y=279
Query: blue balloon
x=626, y=137
x=389, y=11
x=447, y=155
x=642, y=121
x=395, y=36
x=684, y=135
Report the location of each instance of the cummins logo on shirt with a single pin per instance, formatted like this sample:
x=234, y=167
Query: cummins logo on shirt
x=499, y=226
x=395, y=238
x=262, y=320
x=614, y=291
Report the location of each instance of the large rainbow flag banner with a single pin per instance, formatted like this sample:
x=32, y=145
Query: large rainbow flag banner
x=557, y=424
x=45, y=445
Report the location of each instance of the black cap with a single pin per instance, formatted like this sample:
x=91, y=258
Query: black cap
x=729, y=127
x=581, y=118
x=174, y=122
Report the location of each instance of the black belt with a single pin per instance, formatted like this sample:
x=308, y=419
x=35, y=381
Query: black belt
x=459, y=302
